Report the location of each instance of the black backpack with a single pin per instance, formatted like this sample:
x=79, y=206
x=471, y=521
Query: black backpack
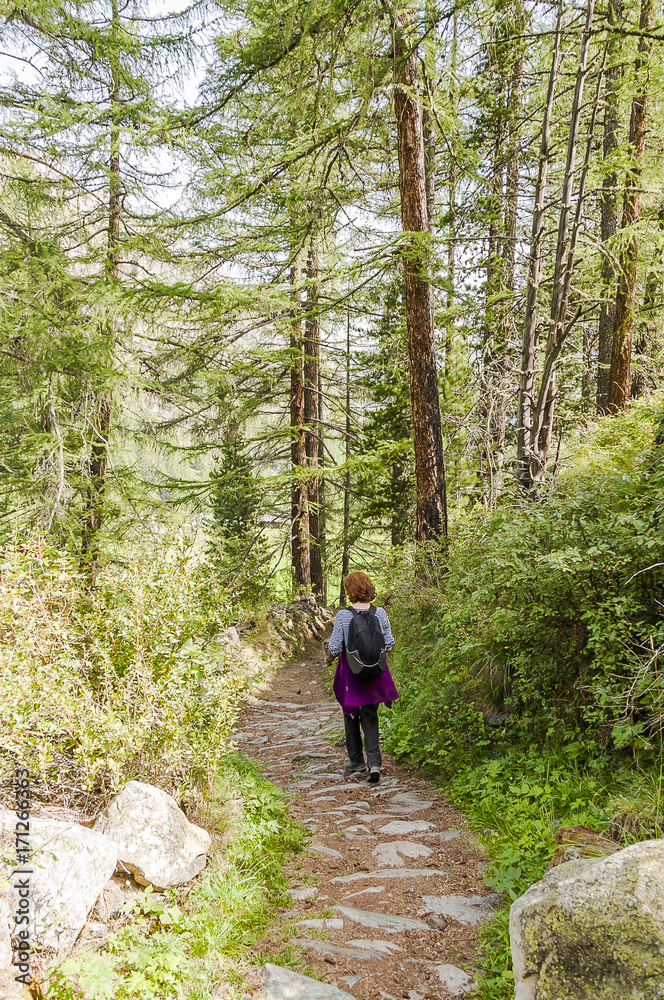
x=365, y=651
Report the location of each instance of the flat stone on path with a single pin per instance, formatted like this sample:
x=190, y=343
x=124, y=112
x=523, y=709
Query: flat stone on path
x=374, y=944
x=386, y=921
x=402, y=826
x=408, y=802
x=391, y=873
x=302, y=895
x=456, y=981
x=391, y=855
x=328, y=851
x=355, y=786
x=322, y=924
x=467, y=910
x=323, y=948
x=284, y=984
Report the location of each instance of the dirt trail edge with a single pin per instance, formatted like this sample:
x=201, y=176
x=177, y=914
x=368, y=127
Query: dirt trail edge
x=389, y=892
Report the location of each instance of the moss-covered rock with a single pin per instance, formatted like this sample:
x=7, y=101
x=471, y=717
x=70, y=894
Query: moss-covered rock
x=593, y=929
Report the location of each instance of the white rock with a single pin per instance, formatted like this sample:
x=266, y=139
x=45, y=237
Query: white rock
x=5, y=935
x=329, y=852
x=364, y=954
x=406, y=803
x=593, y=929
x=456, y=981
x=284, y=984
x=156, y=841
x=11, y=990
x=375, y=944
x=386, y=921
x=465, y=909
x=322, y=924
x=70, y=866
x=231, y=636
x=404, y=826
x=382, y=873
x=302, y=895
x=391, y=854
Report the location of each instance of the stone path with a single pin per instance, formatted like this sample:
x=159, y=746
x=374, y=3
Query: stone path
x=388, y=894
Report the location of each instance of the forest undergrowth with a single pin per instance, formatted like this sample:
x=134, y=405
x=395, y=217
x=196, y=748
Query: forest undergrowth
x=135, y=681
x=528, y=661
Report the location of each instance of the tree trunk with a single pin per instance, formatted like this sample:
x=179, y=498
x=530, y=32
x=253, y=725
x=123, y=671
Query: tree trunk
x=428, y=128
x=425, y=400
x=506, y=316
x=322, y=512
x=543, y=412
x=311, y=362
x=646, y=335
x=500, y=330
x=530, y=323
x=99, y=419
x=345, y=557
x=451, y=254
x=623, y=327
x=608, y=205
x=300, y=564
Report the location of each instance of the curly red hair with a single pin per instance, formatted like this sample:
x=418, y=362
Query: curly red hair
x=359, y=588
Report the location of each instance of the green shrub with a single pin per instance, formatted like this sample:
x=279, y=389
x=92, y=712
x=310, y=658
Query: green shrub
x=528, y=663
x=126, y=682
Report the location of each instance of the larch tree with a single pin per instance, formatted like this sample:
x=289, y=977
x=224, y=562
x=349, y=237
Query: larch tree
x=431, y=514
x=623, y=320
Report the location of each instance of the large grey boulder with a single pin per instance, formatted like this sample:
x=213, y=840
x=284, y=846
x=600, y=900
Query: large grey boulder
x=593, y=929
x=156, y=841
x=70, y=865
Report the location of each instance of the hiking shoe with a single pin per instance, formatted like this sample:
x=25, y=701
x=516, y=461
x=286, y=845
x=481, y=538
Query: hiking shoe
x=374, y=776
x=351, y=768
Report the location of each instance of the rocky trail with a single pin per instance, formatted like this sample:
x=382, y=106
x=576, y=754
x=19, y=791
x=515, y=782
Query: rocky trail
x=388, y=894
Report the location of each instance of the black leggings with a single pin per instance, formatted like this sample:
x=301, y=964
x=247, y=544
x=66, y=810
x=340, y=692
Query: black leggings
x=367, y=717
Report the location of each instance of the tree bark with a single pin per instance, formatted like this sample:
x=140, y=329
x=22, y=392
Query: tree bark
x=543, y=412
x=623, y=326
x=451, y=249
x=608, y=206
x=99, y=419
x=530, y=322
x=345, y=556
x=322, y=510
x=428, y=129
x=425, y=400
x=500, y=329
x=311, y=362
x=300, y=564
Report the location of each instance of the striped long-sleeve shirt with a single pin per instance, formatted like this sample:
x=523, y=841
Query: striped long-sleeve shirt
x=342, y=620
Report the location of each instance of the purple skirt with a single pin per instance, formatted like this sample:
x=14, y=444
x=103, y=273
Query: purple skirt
x=351, y=692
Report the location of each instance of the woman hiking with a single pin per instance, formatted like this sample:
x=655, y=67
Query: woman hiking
x=361, y=638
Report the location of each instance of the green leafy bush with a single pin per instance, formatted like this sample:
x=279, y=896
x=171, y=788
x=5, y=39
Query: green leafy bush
x=127, y=682
x=528, y=663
